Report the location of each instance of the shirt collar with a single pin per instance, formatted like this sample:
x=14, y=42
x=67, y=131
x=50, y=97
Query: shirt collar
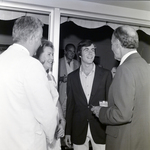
x=22, y=47
x=126, y=56
x=92, y=71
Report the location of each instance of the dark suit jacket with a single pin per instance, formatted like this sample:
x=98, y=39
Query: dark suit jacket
x=128, y=114
x=79, y=113
x=62, y=85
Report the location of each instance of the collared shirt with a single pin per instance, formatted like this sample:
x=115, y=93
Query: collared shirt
x=69, y=67
x=87, y=82
x=126, y=56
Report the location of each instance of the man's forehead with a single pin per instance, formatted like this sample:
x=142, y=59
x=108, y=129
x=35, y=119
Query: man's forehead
x=91, y=46
x=71, y=49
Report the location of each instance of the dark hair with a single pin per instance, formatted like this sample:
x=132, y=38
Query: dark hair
x=68, y=46
x=84, y=43
x=44, y=43
x=25, y=28
x=127, y=36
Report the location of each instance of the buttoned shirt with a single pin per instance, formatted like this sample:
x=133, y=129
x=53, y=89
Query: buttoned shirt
x=69, y=67
x=87, y=82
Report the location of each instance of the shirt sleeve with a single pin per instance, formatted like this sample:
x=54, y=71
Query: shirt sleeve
x=38, y=93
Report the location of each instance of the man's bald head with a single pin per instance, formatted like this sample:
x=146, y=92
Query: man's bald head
x=127, y=36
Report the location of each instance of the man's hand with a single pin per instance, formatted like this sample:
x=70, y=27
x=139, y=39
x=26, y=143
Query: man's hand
x=63, y=78
x=96, y=110
x=59, y=131
x=68, y=141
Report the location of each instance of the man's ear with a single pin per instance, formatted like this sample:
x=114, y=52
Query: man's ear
x=118, y=43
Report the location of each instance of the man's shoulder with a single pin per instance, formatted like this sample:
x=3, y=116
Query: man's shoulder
x=74, y=73
x=62, y=60
x=31, y=63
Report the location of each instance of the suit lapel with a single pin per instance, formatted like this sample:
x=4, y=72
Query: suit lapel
x=96, y=82
x=78, y=82
x=74, y=67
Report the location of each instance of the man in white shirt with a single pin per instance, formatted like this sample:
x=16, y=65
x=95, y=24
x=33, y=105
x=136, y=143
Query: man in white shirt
x=28, y=115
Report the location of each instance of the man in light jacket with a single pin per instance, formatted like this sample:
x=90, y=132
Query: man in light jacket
x=28, y=115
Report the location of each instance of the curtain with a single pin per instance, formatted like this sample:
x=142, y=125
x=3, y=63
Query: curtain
x=86, y=23
x=73, y=32
x=11, y=15
x=7, y=19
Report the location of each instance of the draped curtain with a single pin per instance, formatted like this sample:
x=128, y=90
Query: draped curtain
x=96, y=24
x=7, y=18
x=73, y=30
x=11, y=15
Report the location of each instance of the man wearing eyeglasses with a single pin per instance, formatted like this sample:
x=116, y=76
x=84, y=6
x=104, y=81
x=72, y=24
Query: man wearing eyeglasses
x=86, y=86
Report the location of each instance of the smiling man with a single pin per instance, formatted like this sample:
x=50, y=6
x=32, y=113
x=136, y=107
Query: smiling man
x=86, y=86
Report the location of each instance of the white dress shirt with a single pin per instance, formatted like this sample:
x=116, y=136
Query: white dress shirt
x=87, y=82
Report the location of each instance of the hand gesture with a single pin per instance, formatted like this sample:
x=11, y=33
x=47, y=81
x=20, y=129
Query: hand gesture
x=59, y=131
x=68, y=141
x=96, y=110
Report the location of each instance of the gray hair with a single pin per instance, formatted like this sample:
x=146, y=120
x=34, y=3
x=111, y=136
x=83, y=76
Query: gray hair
x=127, y=36
x=26, y=27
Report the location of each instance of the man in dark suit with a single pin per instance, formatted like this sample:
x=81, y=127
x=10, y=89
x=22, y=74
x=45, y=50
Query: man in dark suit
x=128, y=114
x=86, y=86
